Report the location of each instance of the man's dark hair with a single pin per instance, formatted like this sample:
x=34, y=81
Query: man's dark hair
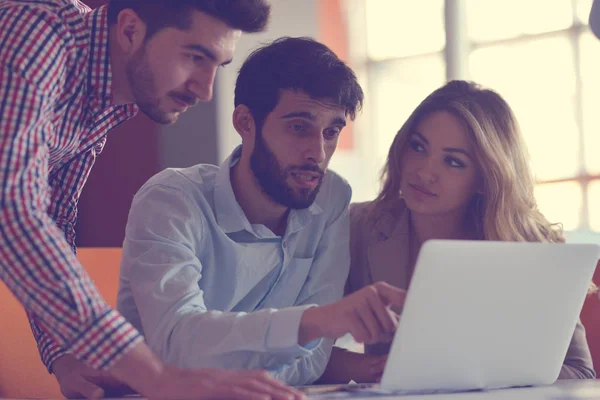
x=300, y=64
x=245, y=15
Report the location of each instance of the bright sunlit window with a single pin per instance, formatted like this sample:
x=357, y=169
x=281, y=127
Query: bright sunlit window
x=405, y=59
x=539, y=55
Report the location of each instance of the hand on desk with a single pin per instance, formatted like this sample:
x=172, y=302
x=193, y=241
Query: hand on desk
x=345, y=366
x=155, y=380
x=77, y=380
x=366, y=314
x=150, y=377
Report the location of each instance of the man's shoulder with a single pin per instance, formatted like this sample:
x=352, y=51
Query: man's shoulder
x=335, y=193
x=36, y=36
x=54, y=6
x=200, y=177
x=47, y=11
x=336, y=185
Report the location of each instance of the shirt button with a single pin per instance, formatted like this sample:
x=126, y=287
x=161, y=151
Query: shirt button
x=284, y=245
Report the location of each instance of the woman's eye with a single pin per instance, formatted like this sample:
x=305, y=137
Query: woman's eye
x=453, y=162
x=416, y=146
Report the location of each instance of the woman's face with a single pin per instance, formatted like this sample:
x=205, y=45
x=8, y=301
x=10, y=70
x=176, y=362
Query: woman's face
x=440, y=174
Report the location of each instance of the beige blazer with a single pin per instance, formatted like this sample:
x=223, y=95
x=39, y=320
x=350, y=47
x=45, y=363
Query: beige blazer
x=378, y=244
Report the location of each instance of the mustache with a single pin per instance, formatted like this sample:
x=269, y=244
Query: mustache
x=308, y=168
x=188, y=98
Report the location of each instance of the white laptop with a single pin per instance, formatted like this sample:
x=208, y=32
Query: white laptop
x=488, y=315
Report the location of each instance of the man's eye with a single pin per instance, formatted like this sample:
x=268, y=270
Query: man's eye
x=332, y=133
x=195, y=58
x=297, y=127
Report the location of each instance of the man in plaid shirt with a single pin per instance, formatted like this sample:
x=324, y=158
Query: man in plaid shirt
x=67, y=76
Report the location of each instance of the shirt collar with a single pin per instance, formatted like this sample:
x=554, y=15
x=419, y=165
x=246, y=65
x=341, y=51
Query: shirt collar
x=99, y=74
x=229, y=214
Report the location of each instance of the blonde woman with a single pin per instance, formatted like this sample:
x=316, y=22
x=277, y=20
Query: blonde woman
x=457, y=169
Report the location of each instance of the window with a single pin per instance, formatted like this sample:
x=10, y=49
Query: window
x=538, y=54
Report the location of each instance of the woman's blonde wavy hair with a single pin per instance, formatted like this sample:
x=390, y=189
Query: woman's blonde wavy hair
x=506, y=210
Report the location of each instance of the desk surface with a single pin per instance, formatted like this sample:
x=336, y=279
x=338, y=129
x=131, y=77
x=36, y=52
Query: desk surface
x=562, y=390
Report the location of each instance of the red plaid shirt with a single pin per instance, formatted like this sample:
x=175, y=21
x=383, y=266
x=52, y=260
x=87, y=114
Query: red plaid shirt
x=55, y=111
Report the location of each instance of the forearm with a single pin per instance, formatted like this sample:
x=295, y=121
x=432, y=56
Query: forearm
x=140, y=369
x=226, y=340
x=259, y=340
x=306, y=370
x=577, y=369
x=578, y=360
x=44, y=275
x=576, y=372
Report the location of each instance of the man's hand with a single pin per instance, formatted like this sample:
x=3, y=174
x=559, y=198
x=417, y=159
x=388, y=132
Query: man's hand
x=364, y=368
x=374, y=369
x=366, y=314
x=345, y=366
x=144, y=372
x=216, y=384
x=77, y=380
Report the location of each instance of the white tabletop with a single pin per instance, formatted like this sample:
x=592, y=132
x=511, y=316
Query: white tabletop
x=562, y=390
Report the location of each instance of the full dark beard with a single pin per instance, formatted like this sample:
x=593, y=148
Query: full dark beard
x=272, y=177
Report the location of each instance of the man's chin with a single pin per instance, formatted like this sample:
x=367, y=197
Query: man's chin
x=303, y=202
x=163, y=118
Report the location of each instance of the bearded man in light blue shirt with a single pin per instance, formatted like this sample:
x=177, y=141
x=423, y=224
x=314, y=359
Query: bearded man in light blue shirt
x=243, y=265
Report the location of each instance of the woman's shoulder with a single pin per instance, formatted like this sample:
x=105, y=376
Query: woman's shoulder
x=370, y=215
x=372, y=211
x=360, y=211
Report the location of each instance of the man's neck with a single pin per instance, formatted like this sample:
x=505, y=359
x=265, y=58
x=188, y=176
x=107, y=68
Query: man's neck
x=256, y=205
x=121, y=93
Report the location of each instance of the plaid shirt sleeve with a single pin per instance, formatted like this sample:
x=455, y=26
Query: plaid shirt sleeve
x=36, y=262
x=63, y=210
x=49, y=350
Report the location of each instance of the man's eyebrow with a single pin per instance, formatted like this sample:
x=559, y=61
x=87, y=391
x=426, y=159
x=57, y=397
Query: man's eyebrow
x=300, y=114
x=207, y=52
x=339, y=121
x=312, y=117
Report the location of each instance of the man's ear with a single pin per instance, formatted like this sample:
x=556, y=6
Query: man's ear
x=243, y=122
x=131, y=31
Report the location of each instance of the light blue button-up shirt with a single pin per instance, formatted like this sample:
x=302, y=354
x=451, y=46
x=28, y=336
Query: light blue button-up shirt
x=209, y=289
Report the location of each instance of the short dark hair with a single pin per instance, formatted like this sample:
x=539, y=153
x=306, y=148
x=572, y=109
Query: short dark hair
x=301, y=64
x=245, y=15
